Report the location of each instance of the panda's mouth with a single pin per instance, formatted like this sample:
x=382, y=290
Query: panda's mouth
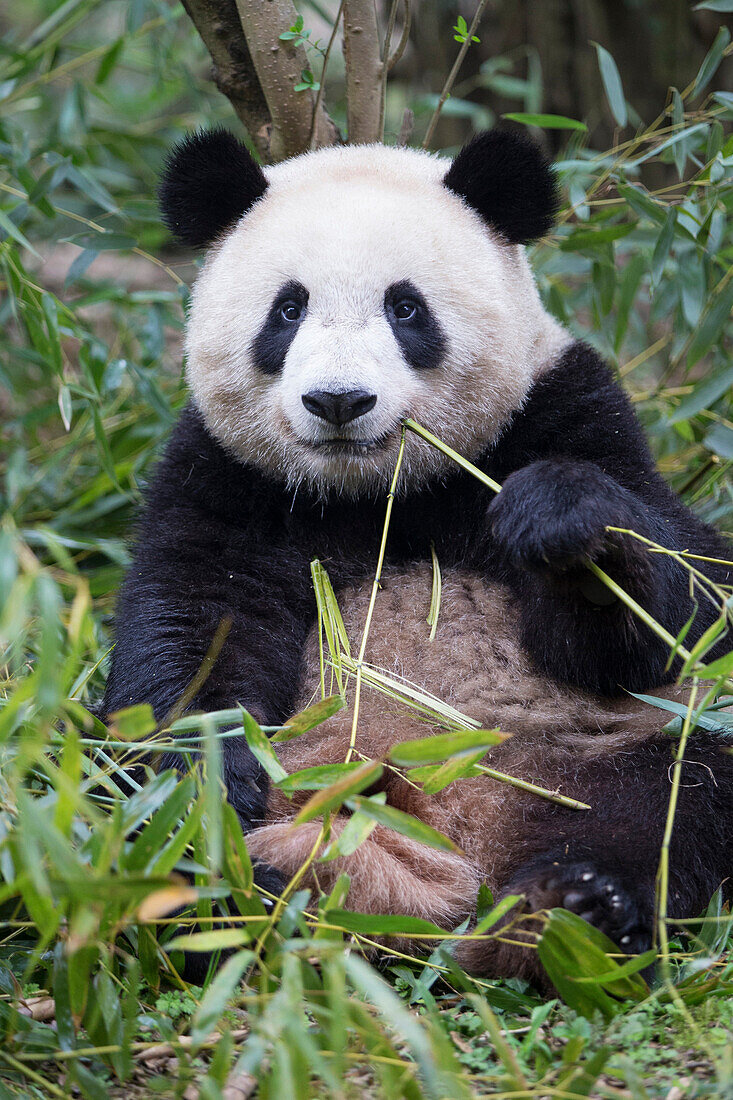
x=341, y=445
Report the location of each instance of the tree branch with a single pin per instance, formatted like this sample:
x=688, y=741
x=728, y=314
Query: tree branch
x=363, y=71
x=217, y=22
x=278, y=66
x=389, y=60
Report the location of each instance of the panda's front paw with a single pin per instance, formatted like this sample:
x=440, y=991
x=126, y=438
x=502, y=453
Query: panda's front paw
x=599, y=896
x=553, y=514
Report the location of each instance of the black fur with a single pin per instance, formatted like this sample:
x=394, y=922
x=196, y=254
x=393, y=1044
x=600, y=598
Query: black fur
x=505, y=177
x=209, y=181
x=620, y=843
x=420, y=337
x=277, y=333
x=218, y=539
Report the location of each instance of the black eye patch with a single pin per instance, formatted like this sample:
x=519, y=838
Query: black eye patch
x=271, y=344
x=416, y=328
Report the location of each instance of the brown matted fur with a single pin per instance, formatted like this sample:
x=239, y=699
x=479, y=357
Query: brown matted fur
x=476, y=664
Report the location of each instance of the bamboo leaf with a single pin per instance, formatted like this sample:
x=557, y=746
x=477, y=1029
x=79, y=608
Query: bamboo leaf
x=612, y=85
x=332, y=797
x=547, y=122
x=261, y=748
x=429, y=750
x=307, y=719
x=217, y=997
x=405, y=824
x=317, y=778
x=220, y=939
x=383, y=924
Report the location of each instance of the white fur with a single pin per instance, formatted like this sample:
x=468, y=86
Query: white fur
x=348, y=222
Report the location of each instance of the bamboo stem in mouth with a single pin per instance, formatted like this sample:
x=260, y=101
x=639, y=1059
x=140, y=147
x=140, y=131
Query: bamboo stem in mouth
x=373, y=596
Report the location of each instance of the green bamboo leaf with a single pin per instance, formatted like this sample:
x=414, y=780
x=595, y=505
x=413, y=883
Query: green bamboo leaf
x=711, y=326
x=678, y=119
x=663, y=245
x=261, y=748
x=220, y=939
x=402, y=823
x=705, y=394
x=12, y=230
x=612, y=85
x=714, y=5
x=440, y=776
x=237, y=863
x=333, y=796
x=429, y=750
x=592, y=238
x=497, y=912
x=711, y=61
x=217, y=997
x=102, y=242
x=569, y=949
x=383, y=924
x=149, y=842
x=701, y=720
x=145, y=802
x=317, y=778
x=109, y=60
x=133, y=723
x=547, y=122
x=719, y=440
x=310, y=717
x=623, y=970
x=51, y=317
x=356, y=830
x=65, y=406
x=166, y=859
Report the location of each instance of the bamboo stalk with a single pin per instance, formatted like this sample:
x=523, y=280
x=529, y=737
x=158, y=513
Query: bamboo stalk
x=418, y=429
x=373, y=597
x=532, y=788
x=454, y=73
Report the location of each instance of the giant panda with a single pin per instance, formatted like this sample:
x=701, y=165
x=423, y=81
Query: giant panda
x=342, y=291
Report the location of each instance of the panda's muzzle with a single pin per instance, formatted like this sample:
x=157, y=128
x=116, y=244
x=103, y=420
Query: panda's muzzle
x=339, y=408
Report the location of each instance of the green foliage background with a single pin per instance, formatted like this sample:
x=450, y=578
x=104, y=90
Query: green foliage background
x=92, y=299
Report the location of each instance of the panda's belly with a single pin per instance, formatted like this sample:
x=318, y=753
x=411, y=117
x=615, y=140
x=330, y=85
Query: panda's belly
x=475, y=664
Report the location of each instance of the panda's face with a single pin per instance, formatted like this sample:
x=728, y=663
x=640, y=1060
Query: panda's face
x=357, y=291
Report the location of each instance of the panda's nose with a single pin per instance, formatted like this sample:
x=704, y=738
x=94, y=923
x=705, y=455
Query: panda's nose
x=339, y=408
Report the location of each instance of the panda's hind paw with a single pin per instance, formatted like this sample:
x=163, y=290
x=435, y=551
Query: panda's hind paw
x=601, y=898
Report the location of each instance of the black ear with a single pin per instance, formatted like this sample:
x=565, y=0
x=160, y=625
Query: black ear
x=506, y=178
x=209, y=181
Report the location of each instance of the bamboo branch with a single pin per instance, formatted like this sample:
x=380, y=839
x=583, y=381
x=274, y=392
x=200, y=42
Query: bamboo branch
x=364, y=70
x=279, y=65
x=233, y=72
x=453, y=73
x=324, y=68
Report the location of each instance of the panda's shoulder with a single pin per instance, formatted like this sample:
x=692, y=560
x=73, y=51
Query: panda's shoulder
x=577, y=408
x=197, y=475
x=578, y=391
x=578, y=378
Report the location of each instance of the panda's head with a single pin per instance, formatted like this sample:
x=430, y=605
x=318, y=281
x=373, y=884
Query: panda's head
x=348, y=288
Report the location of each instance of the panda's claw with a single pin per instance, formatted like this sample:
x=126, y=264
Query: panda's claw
x=598, y=897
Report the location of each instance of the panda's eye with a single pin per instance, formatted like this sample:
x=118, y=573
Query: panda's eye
x=405, y=309
x=291, y=311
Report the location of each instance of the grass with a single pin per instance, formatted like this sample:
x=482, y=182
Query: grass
x=91, y=880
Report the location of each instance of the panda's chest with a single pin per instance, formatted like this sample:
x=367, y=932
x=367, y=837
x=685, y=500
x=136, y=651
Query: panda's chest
x=472, y=663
